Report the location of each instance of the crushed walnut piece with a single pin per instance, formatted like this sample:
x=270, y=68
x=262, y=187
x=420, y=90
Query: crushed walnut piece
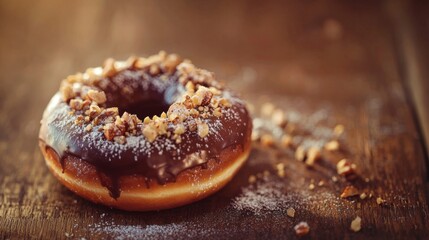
x=97, y=96
x=252, y=179
x=333, y=145
x=302, y=229
x=345, y=168
x=349, y=191
x=280, y=169
x=267, y=140
x=290, y=212
x=313, y=155
x=356, y=224
x=286, y=141
x=338, y=130
x=380, y=201
x=300, y=153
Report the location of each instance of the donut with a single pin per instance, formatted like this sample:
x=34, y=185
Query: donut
x=145, y=134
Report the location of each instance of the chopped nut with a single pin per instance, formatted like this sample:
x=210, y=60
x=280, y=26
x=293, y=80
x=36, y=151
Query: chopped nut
x=150, y=132
x=202, y=96
x=345, y=168
x=290, y=212
x=362, y=196
x=267, y=140
x=300, y=153
x=109, y=68
x=180, y=129
x=302, y=229
x=286, y=141
x=79, y=120
x=321, y=183
x=217, y=112
x=97, y=96
x=267, y=109
x=333, y=145
x=88, y=127
x=349, y=191
x=190, y=87
x=334, y=179
x=215, y=91
x=280, y=169
x=154, y=69
x=311, y=186
x=278, y=117
x=94, y=111
x=170, y=63
x=224, y=102
x=356, y=224
x=313, y=154
x=120, y=139
x=131, y=62
x=252, y=179
x=380, y=201
x=203, y=129
x=67, y=92
x=338, y=130
x=76, y=104
x=255, y=135
x=109, y=131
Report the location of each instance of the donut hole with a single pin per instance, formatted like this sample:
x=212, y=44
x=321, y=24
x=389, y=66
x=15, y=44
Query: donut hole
x=146, y=108
x=153, y=101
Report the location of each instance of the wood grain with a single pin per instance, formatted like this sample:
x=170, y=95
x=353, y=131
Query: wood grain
x=328, y=62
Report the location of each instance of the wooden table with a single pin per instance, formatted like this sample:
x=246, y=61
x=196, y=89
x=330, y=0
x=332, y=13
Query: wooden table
x=362, y=64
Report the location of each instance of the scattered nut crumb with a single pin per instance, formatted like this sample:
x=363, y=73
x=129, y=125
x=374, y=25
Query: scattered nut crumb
x=362, y=196
x=349, y=191
x=300, y=153
x=313, y=154
x=286, y=141
x=345, y=168
x=280, y=169
x=252, y=179
x=278, y=117
x=255, y=136
x=334, y=179
x=380, y=201
x=338, y=130
x=321, y=183
x=88, y=127
x=267, y=140
x=290, y=212
x=302, y=229
x=333, y=145
x=267, y=109
x=311, y=186
x=356, y=224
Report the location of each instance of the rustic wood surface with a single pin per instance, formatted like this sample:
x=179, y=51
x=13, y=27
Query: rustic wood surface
x=358, y=63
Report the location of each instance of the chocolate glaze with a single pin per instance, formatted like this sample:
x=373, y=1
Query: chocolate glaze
x=162, y=159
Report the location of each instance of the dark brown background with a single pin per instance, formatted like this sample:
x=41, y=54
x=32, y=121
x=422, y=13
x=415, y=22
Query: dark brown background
x=364, y=62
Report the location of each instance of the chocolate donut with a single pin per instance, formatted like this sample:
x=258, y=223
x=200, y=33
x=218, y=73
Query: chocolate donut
x=145, y=134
